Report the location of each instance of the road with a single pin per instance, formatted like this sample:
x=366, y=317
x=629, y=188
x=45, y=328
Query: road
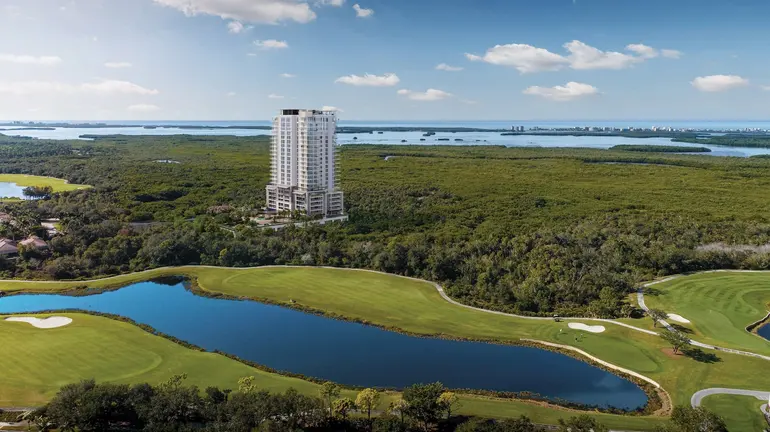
x=698, y=397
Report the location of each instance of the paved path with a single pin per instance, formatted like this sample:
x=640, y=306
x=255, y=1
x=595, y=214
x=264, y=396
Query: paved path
x=698, y=397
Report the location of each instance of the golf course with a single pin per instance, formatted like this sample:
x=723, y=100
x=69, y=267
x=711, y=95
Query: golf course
x=115, y=351
x=57, y=184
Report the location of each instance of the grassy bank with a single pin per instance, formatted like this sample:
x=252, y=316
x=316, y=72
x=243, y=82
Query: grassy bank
x=741, y=413
x=416, y=307
x=720, y=306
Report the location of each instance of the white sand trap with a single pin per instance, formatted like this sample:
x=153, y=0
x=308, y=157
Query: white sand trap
x=47, y=323
x=588, y=328
x=678, y=318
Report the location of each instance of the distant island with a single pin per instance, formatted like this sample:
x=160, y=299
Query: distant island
x=660, y=149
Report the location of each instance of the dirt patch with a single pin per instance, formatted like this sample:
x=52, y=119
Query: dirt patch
x=669, y=352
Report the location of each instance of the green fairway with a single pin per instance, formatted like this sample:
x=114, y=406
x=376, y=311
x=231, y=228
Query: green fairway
x=58, y=185
x=416, y=306
x=741, y=413
x=720, y=305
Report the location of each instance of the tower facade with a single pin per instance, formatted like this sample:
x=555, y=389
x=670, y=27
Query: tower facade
x=303, y=164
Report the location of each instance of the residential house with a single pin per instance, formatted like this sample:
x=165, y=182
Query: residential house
x=8, y=247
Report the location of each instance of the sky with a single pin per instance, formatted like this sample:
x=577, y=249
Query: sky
x=385, y=59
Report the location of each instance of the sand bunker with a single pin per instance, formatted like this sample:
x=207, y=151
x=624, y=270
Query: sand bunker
x=46, y=323
x=588, y=328
x=678, y=318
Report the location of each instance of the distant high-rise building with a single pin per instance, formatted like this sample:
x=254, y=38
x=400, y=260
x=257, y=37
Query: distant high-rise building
x=303, y=164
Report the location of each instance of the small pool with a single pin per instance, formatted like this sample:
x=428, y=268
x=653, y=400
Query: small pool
x=346, y=352
x=11, y=190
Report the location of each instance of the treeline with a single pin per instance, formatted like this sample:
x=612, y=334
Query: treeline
x=530, y=231
x=731, y=140
x=172, y=406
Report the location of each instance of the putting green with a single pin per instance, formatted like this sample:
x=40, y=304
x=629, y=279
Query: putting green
x=719, y=305
x=24, y=180
x=416, y=306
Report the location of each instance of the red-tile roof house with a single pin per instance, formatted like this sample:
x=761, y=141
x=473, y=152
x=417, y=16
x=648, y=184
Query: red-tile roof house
x=34, y=242
x=8, y=247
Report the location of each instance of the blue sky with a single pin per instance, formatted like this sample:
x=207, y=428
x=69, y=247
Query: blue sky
x=378, y=59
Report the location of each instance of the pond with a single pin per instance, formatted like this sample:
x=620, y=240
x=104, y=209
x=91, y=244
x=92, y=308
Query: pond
x=346, y=352
x=764, y=331
x=11, y=190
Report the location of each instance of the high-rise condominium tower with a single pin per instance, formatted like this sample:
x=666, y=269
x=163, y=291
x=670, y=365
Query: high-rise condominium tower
x=303, y=175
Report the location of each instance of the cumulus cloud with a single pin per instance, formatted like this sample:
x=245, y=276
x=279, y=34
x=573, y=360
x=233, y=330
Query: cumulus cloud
x=529, y=59
x=670, y=53
x=230, y=94
x=235, y=27
x=288, y=75
x=426, y=96
x=643, y=50
x=766, y=88
x=584, y=56
x=570, y=91
x=446, y=67
x=335, y=3
x=330, y=108
x=386, y=80
x=525, y=58
x=274, y=96
x=259, y=11
x=30, y=60
x=362, y=12
x=117, y=65
x=104, y=87
x=718, y=83
x=143, y=108
x=271, y=44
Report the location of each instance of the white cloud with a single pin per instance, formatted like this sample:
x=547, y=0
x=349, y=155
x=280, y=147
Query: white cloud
x=235, y=27
x=117, y=65
x=271, y=44
x=670, y=53
x=446, y=67
x=717, y=83
x=230, y=94
x=427, y=96
x=525, y=58
x=362, y=12
x=330, y=108
x=117, y=87
x=30, y=60
x=335, y=3
x=529, y=59
x=766, y=88
x=105, y=87
x=143, y=108
x=469, y=102
x=260, y=11
x=288, y=75
x=252, y=54
x=584, y=56
x=643, y=50
x=570, y=91
x=274, y=96
x=386, y=80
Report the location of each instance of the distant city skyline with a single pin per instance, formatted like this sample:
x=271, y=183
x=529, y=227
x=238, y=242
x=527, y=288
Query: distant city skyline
x=385, y=60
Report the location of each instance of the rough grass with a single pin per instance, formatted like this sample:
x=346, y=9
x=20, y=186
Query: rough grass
x=741, y=413
x=416, y=307
x=719, y=305
x=58, y=185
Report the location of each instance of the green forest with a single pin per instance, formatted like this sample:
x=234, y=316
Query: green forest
x=526, y=230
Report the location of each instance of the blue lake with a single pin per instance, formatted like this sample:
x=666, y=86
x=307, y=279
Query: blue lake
x=11, y=190
x=345, y=352
x=764, y=331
